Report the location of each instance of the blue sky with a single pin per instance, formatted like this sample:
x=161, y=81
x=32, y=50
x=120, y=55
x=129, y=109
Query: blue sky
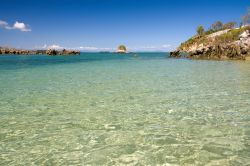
x=93, y=25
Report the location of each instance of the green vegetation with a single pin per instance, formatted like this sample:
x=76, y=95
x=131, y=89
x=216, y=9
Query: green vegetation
x=230, y=25
x=217, y=26
x=209, y=31
x=194, y=40
x=230, y=36
x=200, y=30
x=246, y=18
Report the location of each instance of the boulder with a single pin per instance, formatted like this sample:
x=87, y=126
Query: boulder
x=175, y=54
x=51, y=52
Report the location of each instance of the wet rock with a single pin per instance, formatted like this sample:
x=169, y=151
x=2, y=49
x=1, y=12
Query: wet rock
x=175, y=54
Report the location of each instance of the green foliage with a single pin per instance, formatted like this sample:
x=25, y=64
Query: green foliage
x=218, y=25
x=231, y=36
x=246, y=18
x=229, y=25
x=194, y=40
x=201, y=38
x=200, y=30
x=210, y=31
x=246, y=28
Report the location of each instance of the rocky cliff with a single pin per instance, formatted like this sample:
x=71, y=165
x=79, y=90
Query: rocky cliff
x=225, y=44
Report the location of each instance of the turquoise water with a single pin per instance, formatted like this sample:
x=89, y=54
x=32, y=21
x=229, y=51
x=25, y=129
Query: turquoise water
x=109, y=109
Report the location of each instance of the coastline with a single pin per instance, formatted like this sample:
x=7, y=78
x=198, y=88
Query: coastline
x=217, y=46
x=51, y=52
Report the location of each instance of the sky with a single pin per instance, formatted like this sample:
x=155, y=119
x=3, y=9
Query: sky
x=102, y=25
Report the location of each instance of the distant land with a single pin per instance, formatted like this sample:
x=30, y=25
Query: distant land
x=52, y=52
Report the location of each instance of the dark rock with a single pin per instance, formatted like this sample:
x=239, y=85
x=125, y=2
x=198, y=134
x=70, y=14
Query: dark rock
x=51, y=52
x=175, y=54
x=12, y=51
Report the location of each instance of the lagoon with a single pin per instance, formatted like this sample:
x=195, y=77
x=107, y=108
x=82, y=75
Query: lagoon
x=112, y=109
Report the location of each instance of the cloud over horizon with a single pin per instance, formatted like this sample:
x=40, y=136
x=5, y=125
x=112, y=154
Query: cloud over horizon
x=165, y=47
x=17, y=25
x=53, y=46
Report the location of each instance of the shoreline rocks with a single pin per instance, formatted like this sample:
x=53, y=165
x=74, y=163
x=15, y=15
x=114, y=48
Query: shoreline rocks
x=63, y=52
x=13, y=51
x=175, y=54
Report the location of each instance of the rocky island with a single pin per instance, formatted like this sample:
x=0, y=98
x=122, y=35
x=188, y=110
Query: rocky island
x=221, y=41
x=51, y=52
x=122, y=49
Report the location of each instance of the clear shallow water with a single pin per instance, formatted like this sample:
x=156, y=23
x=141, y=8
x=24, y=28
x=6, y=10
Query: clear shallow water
x=108, y=109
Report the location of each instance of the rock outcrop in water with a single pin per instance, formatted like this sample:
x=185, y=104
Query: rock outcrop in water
x=175, y=54
x=233, y=44
x=52, y=52
x=122, y=49
x=63, y=52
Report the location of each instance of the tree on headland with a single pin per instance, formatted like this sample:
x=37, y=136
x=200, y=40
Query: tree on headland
x=200, y=30
x=218, y=25
x=246, y=18
x=230, y=25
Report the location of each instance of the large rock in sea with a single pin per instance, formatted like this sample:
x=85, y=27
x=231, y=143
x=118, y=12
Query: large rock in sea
x=69, y=52
x=51, y=52
x=122, y=49
x=175, y=54
x=63, y=52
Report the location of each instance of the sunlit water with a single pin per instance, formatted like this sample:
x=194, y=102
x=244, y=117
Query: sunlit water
x=109, y=109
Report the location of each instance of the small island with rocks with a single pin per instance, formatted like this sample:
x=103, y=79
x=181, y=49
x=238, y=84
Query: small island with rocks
x=51, y=52
x=122, y=49
x=220, y=42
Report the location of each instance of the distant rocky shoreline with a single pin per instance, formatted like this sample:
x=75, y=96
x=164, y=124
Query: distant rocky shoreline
x=51, y=52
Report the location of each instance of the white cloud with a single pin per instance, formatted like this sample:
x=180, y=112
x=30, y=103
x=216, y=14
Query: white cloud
x=166, y=46
x=53, y=46
x=148, y=47
x=88, y=48
x=91, y=48
x=17, y=25
x=3, y=24
x=21, y=26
